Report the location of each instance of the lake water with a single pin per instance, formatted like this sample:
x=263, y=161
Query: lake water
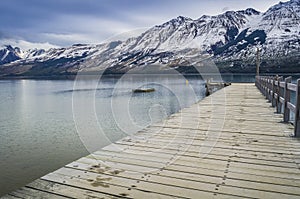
x=45, y=124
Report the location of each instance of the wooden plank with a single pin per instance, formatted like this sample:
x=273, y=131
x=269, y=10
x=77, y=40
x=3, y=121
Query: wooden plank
x=29, y=193
x=271, y=131
x=288, y=158
x=99, y=183
x=281, y=99
x=292, y=87
x=206, y=163
x=282, y=84
x=256, y=193
x=173, y=145
x=297, y=108
x=198, y=184
x=275, y=161
x=113, y=184
x=67, y=191
x=291, y=106
x=201, y=136
x=178, y=160
x=10, y=196
x=245, y=178
x=166, y=133
x=207, y=175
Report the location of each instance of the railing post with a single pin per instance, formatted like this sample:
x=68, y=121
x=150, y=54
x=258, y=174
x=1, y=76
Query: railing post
x=297, y=105
x=265, y=87
x=278, y=104
x=273, y=91
x=277, y=92
x=259, y=84
x=269, y=89
x=262, y=85
x=287, y=98
x=256, y=82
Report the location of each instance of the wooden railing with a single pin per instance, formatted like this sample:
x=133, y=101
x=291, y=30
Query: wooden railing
x=278, y=91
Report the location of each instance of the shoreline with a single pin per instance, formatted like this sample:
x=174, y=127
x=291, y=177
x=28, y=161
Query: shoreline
x=96, y=76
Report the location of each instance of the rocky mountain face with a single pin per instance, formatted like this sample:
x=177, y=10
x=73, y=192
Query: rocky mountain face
x=9, y=54
x=230, y=40
x=276, y=32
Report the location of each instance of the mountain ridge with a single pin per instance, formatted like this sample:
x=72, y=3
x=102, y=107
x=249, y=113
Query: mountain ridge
x=230, y=39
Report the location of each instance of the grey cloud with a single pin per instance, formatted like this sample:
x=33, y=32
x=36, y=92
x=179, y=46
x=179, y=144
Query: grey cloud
x=62, y=22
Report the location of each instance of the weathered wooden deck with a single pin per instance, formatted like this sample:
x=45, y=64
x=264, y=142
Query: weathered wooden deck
x=229, y=145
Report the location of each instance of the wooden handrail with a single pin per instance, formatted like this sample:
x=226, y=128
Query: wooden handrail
x=278, y=92
x=282, y=84
x=292, y=87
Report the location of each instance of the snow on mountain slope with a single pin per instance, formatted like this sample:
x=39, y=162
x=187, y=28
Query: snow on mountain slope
x=182, y=32
x=282, y=25
x=230, y=38
x=31, y=53
x=276, y=32
x=168, y=42
x=9, y=54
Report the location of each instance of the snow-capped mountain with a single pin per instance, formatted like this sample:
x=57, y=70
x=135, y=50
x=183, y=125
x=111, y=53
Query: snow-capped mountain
x=33, y=53
x=9, y=54
x=230, y=39
x=276, y=32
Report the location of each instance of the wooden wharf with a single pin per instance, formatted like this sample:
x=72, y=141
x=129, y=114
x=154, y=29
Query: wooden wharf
x=231, y=144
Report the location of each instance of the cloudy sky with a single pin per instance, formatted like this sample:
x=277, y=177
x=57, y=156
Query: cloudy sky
x=48, y=23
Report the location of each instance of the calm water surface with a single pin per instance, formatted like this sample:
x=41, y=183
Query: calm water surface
x=44, y=124
x=37, y=125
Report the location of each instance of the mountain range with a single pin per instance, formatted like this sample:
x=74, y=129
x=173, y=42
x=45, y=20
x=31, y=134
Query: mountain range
x=231, y=40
